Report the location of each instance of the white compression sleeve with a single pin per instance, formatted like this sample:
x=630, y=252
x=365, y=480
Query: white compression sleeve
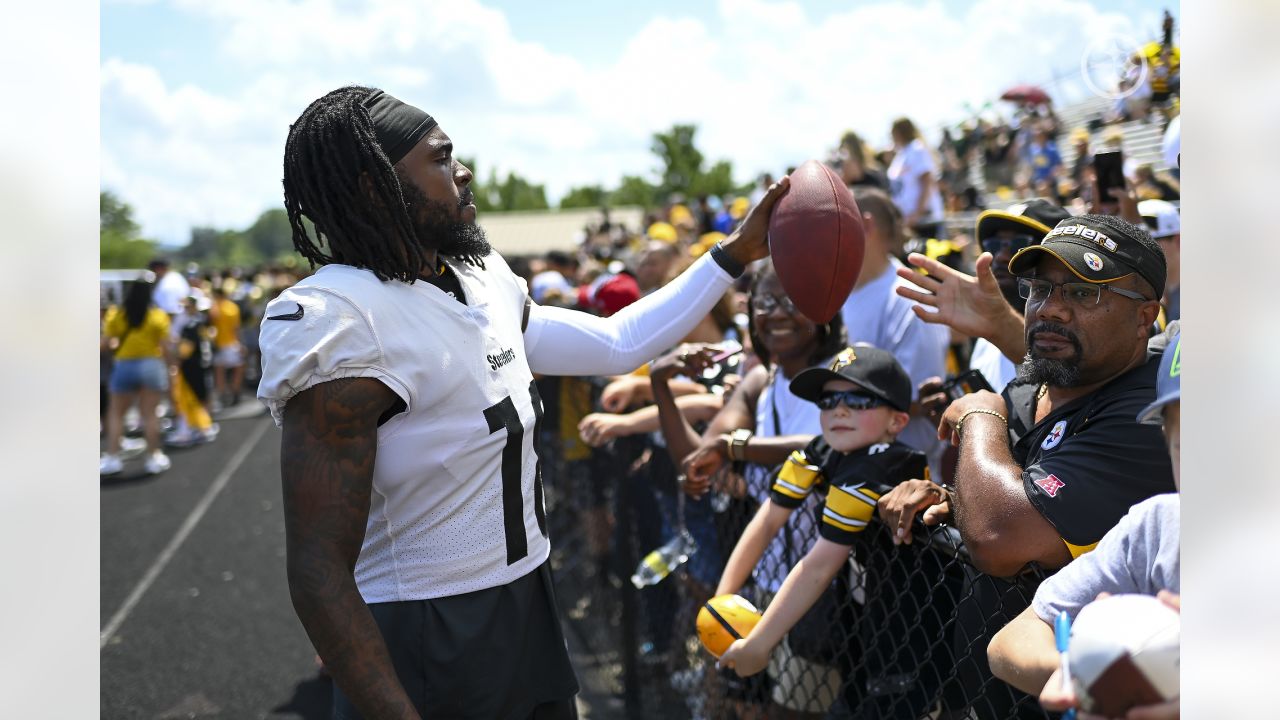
x=559, y=341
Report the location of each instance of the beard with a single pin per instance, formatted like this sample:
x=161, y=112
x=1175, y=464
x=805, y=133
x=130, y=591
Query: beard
x=1062, y=373
x=436, y=227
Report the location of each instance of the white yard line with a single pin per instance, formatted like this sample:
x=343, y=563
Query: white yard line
x=187, y=526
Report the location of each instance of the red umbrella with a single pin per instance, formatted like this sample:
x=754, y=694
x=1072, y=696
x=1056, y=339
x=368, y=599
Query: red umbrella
x=1029, y=94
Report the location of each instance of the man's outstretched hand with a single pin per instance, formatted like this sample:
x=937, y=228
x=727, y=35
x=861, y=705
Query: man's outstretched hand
x=750, y=241
x=969, y=304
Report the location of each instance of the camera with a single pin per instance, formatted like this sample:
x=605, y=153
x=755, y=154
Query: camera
x=967, y=382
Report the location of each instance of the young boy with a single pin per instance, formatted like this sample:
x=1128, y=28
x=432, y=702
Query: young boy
x=863, y=399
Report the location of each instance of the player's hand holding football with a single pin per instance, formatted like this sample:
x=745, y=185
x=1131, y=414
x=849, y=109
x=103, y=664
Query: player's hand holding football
x=750, y=241
x=744, y=658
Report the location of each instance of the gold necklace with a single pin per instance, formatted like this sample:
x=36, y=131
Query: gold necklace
x=1044, y=388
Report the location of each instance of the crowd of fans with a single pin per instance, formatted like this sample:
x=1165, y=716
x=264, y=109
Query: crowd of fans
x=730, y=433
x=176, y=349
x=733, y=434
x=736, y=440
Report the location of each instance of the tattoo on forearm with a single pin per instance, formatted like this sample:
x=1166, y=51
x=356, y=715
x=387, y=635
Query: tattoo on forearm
x=327, y=454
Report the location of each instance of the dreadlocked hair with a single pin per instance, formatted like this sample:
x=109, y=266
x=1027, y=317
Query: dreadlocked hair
x=332, y=159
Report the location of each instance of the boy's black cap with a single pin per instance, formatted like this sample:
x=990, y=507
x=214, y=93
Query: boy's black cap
x=875, y=370
x=1036, y=216
x=1098, y=249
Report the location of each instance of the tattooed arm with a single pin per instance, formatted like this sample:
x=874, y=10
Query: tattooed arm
x=326, y=459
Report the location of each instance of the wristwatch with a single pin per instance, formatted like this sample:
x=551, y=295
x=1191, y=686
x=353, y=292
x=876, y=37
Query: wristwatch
x=738, y=440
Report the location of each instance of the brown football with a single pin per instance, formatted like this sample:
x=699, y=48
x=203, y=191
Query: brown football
x=816, y=240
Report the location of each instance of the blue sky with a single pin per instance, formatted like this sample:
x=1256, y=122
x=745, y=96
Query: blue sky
x=196, y=96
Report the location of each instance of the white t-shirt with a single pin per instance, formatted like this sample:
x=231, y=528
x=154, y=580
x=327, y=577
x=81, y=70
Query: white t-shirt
x=994, y=366
x=908, y=165
x=1139, y=555
x=795, y=417
x=877, y=315
x=170, y=291
x=438, y=523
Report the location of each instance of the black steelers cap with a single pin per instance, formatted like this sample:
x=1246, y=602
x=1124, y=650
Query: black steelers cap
x=1036, y=217
x=875, y=370
x=1099, y=249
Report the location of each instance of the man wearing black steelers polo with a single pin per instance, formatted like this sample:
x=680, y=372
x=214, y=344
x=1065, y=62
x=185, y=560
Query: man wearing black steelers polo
x=1051, y=464
x=402, y=375
x=1046, y=468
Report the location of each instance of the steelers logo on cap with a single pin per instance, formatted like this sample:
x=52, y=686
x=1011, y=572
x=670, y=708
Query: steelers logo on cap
x=1093, y=261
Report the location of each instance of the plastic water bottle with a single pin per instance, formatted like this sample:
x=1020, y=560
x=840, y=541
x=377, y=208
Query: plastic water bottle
x=661, y=562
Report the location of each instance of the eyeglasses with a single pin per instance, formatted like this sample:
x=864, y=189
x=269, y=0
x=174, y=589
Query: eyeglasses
x=1083, y=294
x=995, y=244
x=765, y=304
x=849, y=398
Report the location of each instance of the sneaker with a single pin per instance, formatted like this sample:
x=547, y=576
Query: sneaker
x=110, y=465
x=181, y=438
x=157, y=462
x=209, y=434
x=132, y=445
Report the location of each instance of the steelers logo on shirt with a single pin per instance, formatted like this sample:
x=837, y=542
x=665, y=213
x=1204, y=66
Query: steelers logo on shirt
x=1055, y=435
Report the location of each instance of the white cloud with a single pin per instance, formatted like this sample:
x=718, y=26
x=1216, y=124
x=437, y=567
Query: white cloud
x=768, y=85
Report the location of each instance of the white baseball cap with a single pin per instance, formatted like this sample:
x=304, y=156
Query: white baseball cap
x=1161, y=217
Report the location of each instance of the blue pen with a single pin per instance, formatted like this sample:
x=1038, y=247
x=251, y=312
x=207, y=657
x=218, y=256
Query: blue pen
x=1061, y=636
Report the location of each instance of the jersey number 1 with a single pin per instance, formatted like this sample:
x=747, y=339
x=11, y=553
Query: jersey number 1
x=505, y=416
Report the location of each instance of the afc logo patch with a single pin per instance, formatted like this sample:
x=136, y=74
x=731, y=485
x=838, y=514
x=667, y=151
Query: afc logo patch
x=1050, y=485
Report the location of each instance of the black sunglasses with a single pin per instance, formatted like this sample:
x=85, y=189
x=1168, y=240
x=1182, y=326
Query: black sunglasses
x=851, y=399
x=994, y=244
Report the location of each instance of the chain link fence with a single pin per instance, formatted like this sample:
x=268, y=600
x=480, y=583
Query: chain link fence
x=901, y=633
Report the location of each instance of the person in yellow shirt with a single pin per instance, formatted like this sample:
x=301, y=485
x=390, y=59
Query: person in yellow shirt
x=228, y=353
x=138, y=332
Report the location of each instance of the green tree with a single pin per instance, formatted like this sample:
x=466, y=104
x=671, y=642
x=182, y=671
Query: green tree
x=635, y=190
x=516, y=193
x=681, y=159
x=120, y=244
x=270, y=236
x=512, y=193
x=716, y=181
x=214, y=247
x=587, y=196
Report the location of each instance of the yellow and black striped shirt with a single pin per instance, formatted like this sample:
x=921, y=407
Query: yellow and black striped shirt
x=852, y=482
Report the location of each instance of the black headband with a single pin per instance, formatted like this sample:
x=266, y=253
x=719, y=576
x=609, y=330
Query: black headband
x=399, y=126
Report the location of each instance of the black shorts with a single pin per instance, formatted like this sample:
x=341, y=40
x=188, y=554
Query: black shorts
x=496, y=654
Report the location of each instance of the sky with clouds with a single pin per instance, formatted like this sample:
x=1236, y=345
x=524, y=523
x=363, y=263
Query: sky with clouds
x=197, y=95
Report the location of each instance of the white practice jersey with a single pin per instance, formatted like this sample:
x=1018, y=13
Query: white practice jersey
x=457, y=495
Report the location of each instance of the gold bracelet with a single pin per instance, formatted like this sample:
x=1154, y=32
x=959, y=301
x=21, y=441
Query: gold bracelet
x=737, y=448
x=984, y=411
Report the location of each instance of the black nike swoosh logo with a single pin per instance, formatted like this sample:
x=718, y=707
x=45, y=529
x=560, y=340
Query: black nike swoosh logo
x=291, y=316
